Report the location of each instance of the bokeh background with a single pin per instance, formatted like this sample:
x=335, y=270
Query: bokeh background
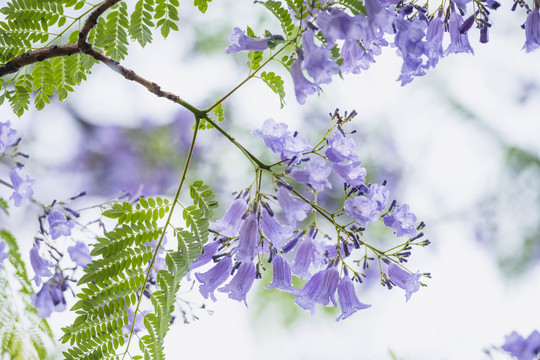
x=461, y=145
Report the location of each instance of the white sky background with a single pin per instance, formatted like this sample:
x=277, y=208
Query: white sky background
x=449, y=163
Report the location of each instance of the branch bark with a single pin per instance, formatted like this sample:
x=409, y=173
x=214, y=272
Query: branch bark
x=38, y=55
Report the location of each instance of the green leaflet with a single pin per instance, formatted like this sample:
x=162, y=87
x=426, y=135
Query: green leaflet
x=202, y=5
x=112, y=286
x=281, y=14
x=275, y=83
x=23, y=335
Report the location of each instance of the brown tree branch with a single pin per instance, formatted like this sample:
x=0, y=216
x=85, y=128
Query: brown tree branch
x=38, y=55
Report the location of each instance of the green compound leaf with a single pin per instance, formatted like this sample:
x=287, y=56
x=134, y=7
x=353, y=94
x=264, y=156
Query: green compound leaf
x=202, y=5
x=115, y=32
x=141, y=22
x=167, y=13
x=275, y=83
x=281, y=14
x=203, y=197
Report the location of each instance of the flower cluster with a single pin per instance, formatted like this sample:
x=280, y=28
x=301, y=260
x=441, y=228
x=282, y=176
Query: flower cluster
x=334, y=40
x=282, y=227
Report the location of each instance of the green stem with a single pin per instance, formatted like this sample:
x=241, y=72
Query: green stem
x=173, y=205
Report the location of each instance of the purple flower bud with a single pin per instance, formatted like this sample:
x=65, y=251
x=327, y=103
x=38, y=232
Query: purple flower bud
x=240, y=42
x=281, y=275
x=404, y=279
x=532, y=30
x=458, y=42
x=295, y=209
x=59, y=225
x=4, y=254
x=522, y=349
x=467, y=24
x=347, y=298
x=214, y=277
x=317, y=60
x=340, y=148
x=302, y=86
x=321, y=288
x=352, y=173
x=230, y=224
x=22, y=187
x=248, y=240
x=276, y=233
x=484, y=34
x=80, y=254
x=401, y=221
x=39, y=265
x=8, y=136
x=241, y=282
x=304, y=257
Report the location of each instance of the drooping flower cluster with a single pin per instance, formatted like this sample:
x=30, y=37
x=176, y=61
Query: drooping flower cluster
x=276, y=227
x=337, y=37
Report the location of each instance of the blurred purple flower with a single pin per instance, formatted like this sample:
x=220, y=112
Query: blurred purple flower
x=240, y=42
x=294, y=209
x=522, y=349
x=380, y=18
x=347, y=298
x=340, y=148
x=22, y=187
x=80, y=254
x=404, y=279
x=39, y=265
x=50, y=297
x=241, y=282
x=337, y=24
x=408, y=40
x=59, y=225
x=532, y=30
x=8, y=136
x=357, y=58
x=4, y=253
x=214, y=277
x=401, y=221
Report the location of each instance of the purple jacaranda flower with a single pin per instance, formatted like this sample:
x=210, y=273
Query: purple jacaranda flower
x=293, y=148
x=317, y=60
x=248, y=240
x=337, y=24
x=363, y=209
x=302, y=86
x=4, y=254
x=321, y=289
x=80, y=254
x=22, y=187
x=380, y=18
x=347, y=297
x=522, y=349
x=340, y=148
x=205, y=257
x=401, y=221
x=214, y=277
x=316, y=174
x=241, y=282
x=379, y=194
x=276, y=233
x=404, y=279
x=51, y=296
x=229, y=224
x=239, y=41
x=462, y=4
x=357, y=58
x=8, y=136
x=409, y=42
x=39, y=265
x=304, y=257
x=434, y=39
x=59, y=225
x=324, y=250
x=353, y=174
x=458, y=42
x=532, y=30
x=294, y=209
x=281, y=274
x=272, y=134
